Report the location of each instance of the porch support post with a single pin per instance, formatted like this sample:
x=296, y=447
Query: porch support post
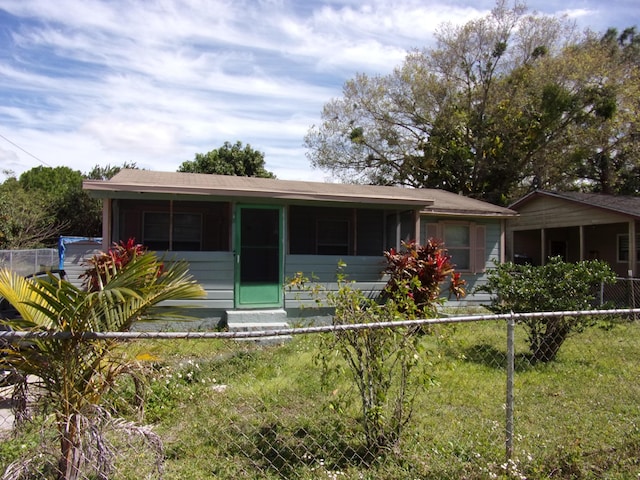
x=543, y=246
x=581, y=235
x=106, y=223
x=171, y=224
x=633, y=257
x=354, y=230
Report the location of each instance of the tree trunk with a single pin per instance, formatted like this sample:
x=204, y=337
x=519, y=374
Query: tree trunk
x=71, y=454
x=549, y=344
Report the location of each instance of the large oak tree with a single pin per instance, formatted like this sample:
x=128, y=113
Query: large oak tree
x=501, y=104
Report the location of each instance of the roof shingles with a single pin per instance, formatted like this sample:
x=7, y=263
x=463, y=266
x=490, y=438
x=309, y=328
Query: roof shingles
x=430, y=200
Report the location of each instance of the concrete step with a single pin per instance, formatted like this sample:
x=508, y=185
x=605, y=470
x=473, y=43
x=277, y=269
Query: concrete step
x=277, y=315
x=258, y=321
x=256, y=326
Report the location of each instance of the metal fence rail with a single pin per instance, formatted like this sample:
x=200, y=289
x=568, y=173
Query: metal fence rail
x=230, y=405
x=26, y=262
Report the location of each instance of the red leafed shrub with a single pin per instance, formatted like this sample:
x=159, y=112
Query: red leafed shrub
x=103, y=265
x=416, y=274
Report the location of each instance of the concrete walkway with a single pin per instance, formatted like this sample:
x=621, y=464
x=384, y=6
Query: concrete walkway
x=6, y=415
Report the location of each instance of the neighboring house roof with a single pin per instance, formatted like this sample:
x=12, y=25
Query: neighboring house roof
x=626, y=205
x=430, y=200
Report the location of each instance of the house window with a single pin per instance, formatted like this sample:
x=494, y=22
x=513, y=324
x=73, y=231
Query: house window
x=332, y=237
x=457, y=240
x=174, y=225
x=156, y=230
x=623, y=248
x=187, y=232
x=400, y=228
x=464, y=241
x=335, y=231
x=183, y=232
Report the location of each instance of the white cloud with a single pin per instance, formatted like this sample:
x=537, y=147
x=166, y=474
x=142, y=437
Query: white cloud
x=155, y=81
x=118, y=134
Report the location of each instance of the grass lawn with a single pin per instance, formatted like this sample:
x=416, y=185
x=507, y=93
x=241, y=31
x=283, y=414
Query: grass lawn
x=236, y=410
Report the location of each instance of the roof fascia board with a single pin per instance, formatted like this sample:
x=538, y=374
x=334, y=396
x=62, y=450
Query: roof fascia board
x=453, y=214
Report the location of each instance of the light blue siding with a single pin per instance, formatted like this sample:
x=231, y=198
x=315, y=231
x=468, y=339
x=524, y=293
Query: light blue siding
x=323, y=270
x=214, y=271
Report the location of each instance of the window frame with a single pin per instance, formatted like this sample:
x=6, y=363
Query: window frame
x=214, y=224
x=477, y=241
x=619, y=250
x=366, y=228
x=468, y=248
x=163, y=228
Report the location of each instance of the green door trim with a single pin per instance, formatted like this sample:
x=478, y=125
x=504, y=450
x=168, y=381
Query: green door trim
x=258, y=256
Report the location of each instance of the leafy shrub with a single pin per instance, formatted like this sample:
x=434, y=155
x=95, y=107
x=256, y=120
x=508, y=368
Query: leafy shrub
x=382, y=361
x=415, y=275
x=553, y=287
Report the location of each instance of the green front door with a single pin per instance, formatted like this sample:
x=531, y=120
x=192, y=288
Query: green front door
x=258, y=249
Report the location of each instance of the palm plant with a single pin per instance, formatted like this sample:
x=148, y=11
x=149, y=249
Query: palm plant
x=75, y=372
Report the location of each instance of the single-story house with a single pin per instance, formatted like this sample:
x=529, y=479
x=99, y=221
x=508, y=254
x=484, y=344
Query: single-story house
x=244, y=237
x=576, y=226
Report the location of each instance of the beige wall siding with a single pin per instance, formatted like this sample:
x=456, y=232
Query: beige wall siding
x=547, y=212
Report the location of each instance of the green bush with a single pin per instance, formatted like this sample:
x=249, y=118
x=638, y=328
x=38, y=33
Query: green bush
x=554, y=287
x=383, y=362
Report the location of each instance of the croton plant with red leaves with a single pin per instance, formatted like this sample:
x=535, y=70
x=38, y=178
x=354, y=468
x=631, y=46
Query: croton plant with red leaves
x=99, y=266
x=416, y=273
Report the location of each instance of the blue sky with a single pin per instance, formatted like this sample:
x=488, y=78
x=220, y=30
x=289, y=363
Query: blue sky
x=91, y=82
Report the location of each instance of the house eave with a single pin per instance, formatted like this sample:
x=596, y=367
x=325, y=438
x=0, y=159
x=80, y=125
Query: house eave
x=101, y=189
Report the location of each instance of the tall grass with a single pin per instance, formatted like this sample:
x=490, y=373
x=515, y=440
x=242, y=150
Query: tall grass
x=239, y=410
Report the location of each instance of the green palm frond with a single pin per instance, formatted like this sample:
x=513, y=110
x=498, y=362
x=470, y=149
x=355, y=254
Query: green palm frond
x=26, y=299
x=129, y=294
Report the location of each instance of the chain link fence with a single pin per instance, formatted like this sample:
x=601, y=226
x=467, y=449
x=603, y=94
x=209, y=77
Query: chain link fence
x=246, y=405
x=625, y=293
x=26, y=262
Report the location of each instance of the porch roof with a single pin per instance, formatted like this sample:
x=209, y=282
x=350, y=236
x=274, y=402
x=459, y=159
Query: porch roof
x=623, y=204
x=177, y=183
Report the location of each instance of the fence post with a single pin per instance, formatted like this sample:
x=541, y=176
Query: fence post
x=632, y=289
x=511, y=323
x=601, y=293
